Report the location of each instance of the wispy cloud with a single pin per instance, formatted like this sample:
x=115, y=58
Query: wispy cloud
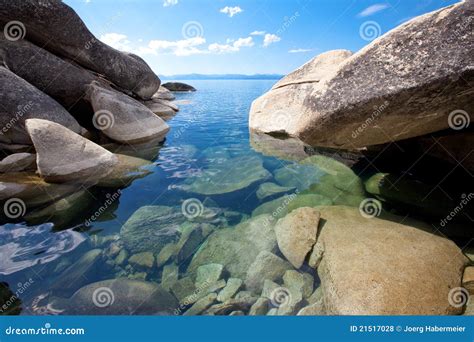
x=231, y=11
x=373, y=9
x=299, y=50
x=257, y=33
x=168, y=3
x=117, y=41
x=270, y=38
x=183, y=47
x=231, y=46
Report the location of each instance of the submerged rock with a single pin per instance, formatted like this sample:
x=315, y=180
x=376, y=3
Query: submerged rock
x=74, y=41
x=339, y=183
x=142, y=260
x=359, y=276
x=126, y=170
x=63, y=155
x=150, y=228
x=298, y=176
x=18, y=162
x=232, y=175
x=22, y=101
x=117, y=297
x=277, y=208
x=62, y=211
x=267, y=266
x=296, y=234
x=236, y=248
x=232, y=287
x=270, y=189
x=208, y=274
x=178, y=86
x=77, y=275
x=31, y=189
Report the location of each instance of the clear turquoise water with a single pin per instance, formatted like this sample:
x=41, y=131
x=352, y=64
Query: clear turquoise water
x=215, y=116
x=211, y=130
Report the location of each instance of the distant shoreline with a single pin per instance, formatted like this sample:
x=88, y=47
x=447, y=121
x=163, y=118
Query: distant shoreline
x=222, y=77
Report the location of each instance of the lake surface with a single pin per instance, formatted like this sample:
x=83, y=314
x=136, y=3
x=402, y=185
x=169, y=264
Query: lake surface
x=206, y=171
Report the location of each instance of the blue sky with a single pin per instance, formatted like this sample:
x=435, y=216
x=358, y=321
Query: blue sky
x=242, y=36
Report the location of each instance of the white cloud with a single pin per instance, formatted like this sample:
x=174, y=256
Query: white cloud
x=231, y=11
x=299, y=50
x=229, y=48
x=117, y=41
x=270, y=38
x=257, y=33
x=168, y=3
x=184, y=47
x=373, y=9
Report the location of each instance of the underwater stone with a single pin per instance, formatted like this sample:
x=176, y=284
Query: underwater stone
x=296, y=234
x=237, y=247
x=150, y=228
x=267, y=266
x=232, y=175
x=208, y=274
x=142, y=260
x=233, y=285
x=271, y=189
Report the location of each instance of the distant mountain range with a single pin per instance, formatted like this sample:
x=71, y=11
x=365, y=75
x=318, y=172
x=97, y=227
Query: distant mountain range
x=221, y=77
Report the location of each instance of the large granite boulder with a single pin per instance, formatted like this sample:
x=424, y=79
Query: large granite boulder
x=123, y=118
x=403, y=84
x=60, y=79
x=64, y=156
x=370, y=266
x=22, y=101
x=57, y=28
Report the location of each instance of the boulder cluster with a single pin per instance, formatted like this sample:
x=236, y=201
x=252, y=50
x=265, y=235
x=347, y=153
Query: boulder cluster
x=413, y=81
x=69, y=102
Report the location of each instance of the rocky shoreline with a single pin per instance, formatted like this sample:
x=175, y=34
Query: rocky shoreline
x=82, y=118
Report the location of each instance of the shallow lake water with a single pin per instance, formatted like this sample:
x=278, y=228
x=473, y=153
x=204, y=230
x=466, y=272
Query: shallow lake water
x=206, y=171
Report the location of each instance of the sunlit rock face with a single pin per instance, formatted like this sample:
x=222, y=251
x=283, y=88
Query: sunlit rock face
x=382, y=93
